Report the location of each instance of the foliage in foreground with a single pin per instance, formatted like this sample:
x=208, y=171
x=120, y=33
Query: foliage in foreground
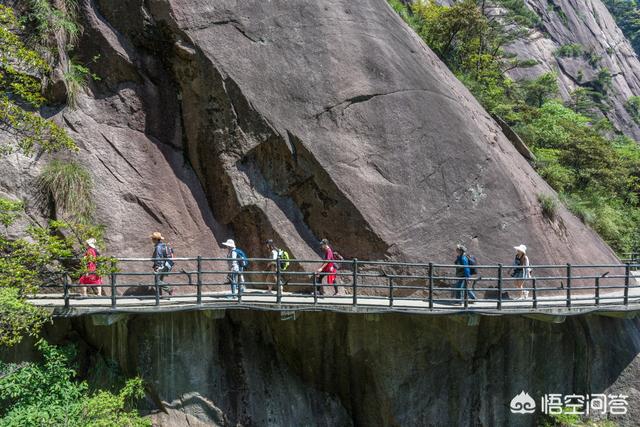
x=595, y=171
x=28, y=263
x=47, y=394
x=572, y=420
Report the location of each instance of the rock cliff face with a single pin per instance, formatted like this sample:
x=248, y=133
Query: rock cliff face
x=588, y=24
x=256, y=368
x=299, y=121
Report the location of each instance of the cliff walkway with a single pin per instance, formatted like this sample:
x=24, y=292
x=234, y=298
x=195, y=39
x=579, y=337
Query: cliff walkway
x=552, y=291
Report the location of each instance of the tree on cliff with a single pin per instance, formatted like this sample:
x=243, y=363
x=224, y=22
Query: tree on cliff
x=595, y=172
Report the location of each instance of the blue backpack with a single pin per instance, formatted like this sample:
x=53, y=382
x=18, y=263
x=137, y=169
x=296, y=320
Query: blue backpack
x=243, y=262
x=472, y=263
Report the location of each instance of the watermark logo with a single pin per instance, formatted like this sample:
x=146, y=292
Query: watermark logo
x=523, y=404
x=573, y=404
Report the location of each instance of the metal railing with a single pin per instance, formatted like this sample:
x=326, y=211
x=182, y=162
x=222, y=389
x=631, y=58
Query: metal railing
x=201, y=280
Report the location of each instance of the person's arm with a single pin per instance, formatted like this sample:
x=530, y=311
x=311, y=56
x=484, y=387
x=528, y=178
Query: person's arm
x=324, y=265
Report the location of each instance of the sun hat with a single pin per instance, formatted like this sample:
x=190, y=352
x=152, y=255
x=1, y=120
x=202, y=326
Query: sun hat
x=91, y=242
x=461, y=248
x=324, y=242
x=229, y=243
x=521, y=248
x=156, y=236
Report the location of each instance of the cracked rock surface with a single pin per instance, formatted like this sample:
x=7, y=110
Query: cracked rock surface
x=296, y=122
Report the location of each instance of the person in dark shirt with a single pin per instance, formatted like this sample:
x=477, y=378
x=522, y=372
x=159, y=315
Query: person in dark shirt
x=162, y=261
x=464, y=274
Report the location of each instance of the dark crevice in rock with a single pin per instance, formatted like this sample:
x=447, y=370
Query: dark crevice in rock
x=121, y=155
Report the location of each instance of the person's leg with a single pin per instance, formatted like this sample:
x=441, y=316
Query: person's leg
x=241, y=287
x=519, y=286
x=271, y=277
x=163, y=285
x=459, y=287
x=472, y=294
x=233, y=278
x=334, y=282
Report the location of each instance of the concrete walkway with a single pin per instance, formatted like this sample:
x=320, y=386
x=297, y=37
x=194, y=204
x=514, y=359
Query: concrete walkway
x=611, y=303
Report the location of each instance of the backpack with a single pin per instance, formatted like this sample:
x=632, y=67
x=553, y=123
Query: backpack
x=472, y=261
x=284, y=259
x=243, y=262
x=337, y=257
x=167, y=252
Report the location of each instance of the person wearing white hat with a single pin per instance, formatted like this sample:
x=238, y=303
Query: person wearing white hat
x=89, y=260
x=521, y=270
x=237, y=263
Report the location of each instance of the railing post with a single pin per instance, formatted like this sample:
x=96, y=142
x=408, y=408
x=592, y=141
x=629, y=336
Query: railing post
x=627, y=273
x=113, y=285
x=390, y=291
x=597, y=291
x=535, y=293
x=466, y=293
x=314, y=276
x=65, y=289
x=430, y=285
x=156, y=280
x=355, y=281
x=279, y=288
x=568, y=285
x=199, y=281
x=499, y=286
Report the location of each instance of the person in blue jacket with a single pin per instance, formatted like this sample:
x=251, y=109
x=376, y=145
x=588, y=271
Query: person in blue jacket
x=463, y=273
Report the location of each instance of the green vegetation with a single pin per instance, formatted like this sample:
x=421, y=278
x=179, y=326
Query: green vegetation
x=76, y=79
x=519, y=13
x=52, y=27
x=68, y=185
x=21, y=73
x=596, y=175
x=627, y=16
x=548, y=205
x=572, y=420
x=47, y=394
x=571, y=50
x=633, y=108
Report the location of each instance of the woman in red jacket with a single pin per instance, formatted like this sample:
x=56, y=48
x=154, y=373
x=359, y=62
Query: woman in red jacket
x=328, y=268
x=90, y=277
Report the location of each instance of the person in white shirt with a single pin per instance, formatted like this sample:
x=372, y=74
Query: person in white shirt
x=273, y=254
x=235, y=266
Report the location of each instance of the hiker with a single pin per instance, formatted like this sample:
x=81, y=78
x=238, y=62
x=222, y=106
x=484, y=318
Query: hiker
x=237, y=263
x=274, y=254
x=90, y=260
x=162, y=261
x=464, y=274
x=521, y=270
x=328, y=268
